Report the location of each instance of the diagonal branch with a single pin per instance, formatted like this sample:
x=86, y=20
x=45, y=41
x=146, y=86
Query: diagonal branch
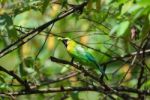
x=74, y=65
x=11, y=73
x=80, y=89
x=22, y=40
x=62, y=78
x=86, y=72
x=54, y=90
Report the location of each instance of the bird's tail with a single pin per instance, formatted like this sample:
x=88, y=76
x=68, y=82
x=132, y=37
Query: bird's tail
x=102, y=70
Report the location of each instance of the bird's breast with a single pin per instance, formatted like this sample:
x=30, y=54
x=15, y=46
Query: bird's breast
x=71, y=46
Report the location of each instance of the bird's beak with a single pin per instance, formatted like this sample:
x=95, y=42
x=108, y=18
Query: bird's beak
x=65, y=42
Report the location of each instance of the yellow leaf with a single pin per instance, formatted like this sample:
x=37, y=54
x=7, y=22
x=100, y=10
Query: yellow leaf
x=26, y=50
x=89, y=5
x=98, y=5
x=125, y=69
x=54, y=10
x=84, y=39
x=51, y=42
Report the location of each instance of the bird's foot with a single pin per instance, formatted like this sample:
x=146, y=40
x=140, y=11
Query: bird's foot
x=102, y=77
x=72, y=59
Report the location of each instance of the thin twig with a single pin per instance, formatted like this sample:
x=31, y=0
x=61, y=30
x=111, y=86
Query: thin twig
x=11, y=73
x=74, y=65
x=87, y=73
x=80, y=89
x=64, y=77
x=28, y=36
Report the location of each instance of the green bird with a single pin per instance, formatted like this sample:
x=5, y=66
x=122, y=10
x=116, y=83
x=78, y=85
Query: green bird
x=81, y=54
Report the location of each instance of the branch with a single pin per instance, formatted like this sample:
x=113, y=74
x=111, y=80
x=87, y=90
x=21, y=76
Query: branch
x=87, y=73
x=53, y=90
x=11, y=73
x=124, y=57
x=80, y=89
x=140, y=78
x=74, y=65
x=64, y=77
x=132, y=90
x=22, y=40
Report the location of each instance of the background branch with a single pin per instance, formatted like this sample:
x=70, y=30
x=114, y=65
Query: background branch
x=11, y=73
x=28, y=36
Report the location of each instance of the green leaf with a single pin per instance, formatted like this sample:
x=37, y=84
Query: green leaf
x=114, y=29
x=46, y=71
x=144, y=2
x=2, y=79
x=7, y=21
x=126, y=7
x=122, y=28
x=29, y=62
x=138, y=14
x=149, y=17
x=75, y=96
x=45, y=5
x=37, y=64
x=21, y=71
x=4, y=87
x=134, y=8
x=146, y=85
x=145, y=28
x=65, y=69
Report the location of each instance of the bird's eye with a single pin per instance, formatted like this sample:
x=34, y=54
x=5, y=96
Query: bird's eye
x=65, y=42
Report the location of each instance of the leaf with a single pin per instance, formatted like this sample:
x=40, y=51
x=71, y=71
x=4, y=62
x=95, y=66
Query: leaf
x=3, y=1
x=63, y=3
x=21, y=71
x=46, y=71
x=145, y=28
x=122, y=28
x=134, y=8
x=114, y=29
x=138, y=14
x=45, y=5
x=37, y=64
x=65, y=69
x=102, y=28
x=126, y=7
x=7, y=21
x=149, y=17
x=3, y=87
x=146, y=85
x=2, y=79
x=89, y=5
x=75, y=96
x=144, y=2
x=98, y=5
x=29, y=62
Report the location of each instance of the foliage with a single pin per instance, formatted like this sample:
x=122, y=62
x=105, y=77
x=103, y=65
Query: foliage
x=34, y=64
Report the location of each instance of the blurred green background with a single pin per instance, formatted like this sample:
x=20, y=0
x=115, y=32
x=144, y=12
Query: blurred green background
x=104, y=25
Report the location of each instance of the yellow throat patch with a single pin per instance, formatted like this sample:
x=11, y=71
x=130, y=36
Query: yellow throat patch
x=71, y=45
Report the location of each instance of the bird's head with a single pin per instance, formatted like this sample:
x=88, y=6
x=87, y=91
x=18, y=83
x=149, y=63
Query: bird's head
x=64, y=40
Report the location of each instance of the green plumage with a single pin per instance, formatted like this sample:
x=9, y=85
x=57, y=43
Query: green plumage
x=81, y=54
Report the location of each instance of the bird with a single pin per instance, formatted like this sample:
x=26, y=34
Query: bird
x=81, y=54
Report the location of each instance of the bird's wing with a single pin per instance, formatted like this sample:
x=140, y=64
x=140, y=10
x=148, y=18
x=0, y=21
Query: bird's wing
x=88, y=57
x=80, y=50
x=84, y=53
x=92, y=59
